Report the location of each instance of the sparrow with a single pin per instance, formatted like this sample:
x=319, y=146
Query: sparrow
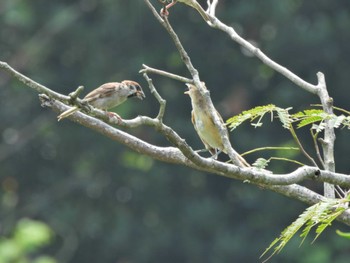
x=109, y=95
x=192, y=3
x=203, y=122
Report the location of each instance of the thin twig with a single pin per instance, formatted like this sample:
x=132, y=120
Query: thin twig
x=320, y=89
x=212, y=7
x=317, y=148
x=154, y=92
x=234, y=156
x=32, y=84
x=334, y=107
x=269, y=148
x=183, y=54
x=296, y=139
x=216, y=23
x=286, y=160
x=74, y=95
x=147, y=69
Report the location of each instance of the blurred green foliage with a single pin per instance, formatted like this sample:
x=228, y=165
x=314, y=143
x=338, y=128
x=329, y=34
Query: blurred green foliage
x=28, y=238
x=108, y=204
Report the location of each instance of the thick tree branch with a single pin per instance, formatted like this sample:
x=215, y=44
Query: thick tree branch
x=329, y=135
x=279, y=183
x=174, y=155
x=171, y=154
x=186, y=156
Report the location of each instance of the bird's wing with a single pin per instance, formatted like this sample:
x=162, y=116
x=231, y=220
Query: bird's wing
x=104, y=90
x=207, y=146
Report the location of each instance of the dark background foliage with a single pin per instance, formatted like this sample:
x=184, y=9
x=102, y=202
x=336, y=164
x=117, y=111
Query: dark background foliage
x=109, y=204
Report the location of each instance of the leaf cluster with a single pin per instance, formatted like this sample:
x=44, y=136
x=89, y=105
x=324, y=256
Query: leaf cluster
x=315, y=117
x=321, y=215
x=29, y=237
x=258, y=113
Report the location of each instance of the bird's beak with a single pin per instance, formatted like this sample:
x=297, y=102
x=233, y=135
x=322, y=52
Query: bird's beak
x=140, y=95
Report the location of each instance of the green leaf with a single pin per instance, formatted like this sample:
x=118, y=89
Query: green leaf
x=261, y=163
x=307, y=113
x=308, y=117
x=284, y=117
x=336, y=121
x=328, y=221
x=309, y=120
x=258, y=113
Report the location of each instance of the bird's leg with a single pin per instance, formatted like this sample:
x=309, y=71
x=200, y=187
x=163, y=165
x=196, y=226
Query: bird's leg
x=216, y=155
x=85, y=106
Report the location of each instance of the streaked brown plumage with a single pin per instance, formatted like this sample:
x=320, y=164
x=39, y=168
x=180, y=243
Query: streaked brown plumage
x=109, y=95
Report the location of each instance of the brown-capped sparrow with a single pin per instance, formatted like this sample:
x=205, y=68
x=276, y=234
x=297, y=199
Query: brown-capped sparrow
x=192, y=3
x=203, y=122
x=109, y=95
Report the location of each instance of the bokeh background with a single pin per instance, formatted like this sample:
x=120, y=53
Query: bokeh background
x=105, y=203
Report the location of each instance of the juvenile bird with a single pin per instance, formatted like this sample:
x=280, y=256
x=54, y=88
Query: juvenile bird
x=192, y=3
x=203, y=122
x=109, y=95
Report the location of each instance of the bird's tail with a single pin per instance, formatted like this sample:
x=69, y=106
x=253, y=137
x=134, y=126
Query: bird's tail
x=67, y=113
x=236, y=158
x=243, y=161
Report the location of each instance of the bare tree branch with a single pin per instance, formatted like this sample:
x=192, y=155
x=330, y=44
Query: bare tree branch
x=212, y=7
x=277, y=183
x=234, y=156
x=265, y=59
x=329, y=135
x=154, y=92
x=147, y=69
x=320, y=90
x=181, y=153
x=31, y=83
x=174, y=155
